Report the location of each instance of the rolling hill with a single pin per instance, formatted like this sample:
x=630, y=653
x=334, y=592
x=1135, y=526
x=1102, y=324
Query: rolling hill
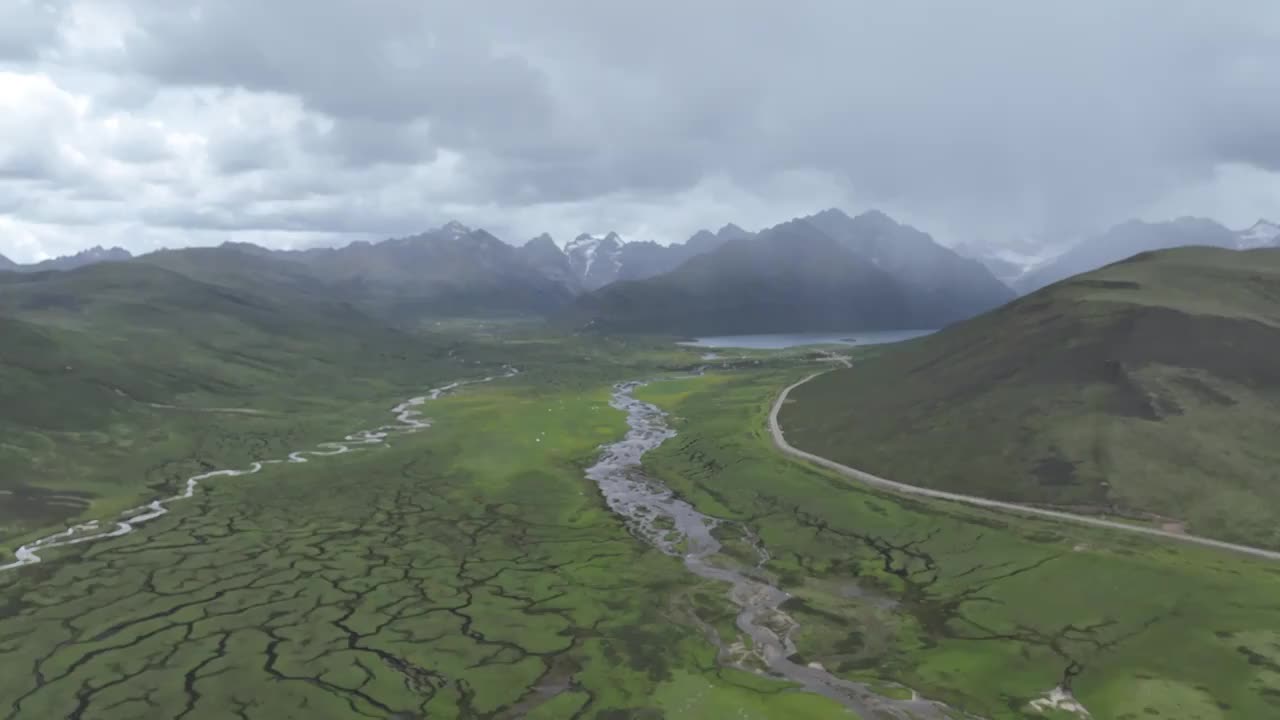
x=1146, y=389
x=108, y=372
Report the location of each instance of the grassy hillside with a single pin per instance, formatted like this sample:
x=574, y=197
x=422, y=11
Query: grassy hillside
x=118, y=378
x=951, y=600
x=1146, y=389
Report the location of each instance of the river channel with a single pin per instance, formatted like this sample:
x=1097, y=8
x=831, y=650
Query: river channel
x=654, y=514
x=408, y=417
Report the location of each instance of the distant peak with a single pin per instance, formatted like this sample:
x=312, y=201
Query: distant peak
x=731, y=232
x=542, y=242
x=836, y=213
x=1263, y=233
x=876, y=216
x=97, y=251
x=586, y=239
x=246, y=247
x=455, y=228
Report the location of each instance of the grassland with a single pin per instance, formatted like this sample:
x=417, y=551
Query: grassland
x=118, y=381
x=471, y=571
x=467, y=571
x=1145, y=390
x=983, y=611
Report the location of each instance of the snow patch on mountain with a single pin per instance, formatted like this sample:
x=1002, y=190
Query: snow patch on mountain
x=1264, y=233
x=454, y=230
x=595, y=259
x=1010, y=263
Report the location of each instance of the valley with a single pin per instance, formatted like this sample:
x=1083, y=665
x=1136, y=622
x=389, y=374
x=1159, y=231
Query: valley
x=249, y=485
x=639, y=361
x=529, y=555
x=988, y=612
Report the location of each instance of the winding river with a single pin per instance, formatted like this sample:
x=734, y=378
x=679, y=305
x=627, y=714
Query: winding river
x=657, y=516
x=408, y=420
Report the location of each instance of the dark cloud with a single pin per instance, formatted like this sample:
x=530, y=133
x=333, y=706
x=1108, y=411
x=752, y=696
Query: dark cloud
x=996, y=119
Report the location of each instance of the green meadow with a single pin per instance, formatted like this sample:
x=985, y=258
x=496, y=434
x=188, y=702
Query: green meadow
x=468, y=571
x=986, y=612
x=471, y=571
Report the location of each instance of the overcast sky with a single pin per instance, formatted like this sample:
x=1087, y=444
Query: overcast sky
x=298, y=122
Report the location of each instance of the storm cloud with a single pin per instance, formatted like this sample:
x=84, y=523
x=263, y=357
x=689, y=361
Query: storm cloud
x=288, y=123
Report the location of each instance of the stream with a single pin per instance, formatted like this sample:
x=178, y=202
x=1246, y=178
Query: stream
x=408, y=420
x=654, y=514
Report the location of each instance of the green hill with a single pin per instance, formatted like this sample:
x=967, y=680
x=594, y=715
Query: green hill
x=1148, y=389
x=111, y=377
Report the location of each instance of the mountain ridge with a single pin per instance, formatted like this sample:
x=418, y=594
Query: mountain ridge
x=793, y=277
x=88, y=256
x=1135, y=236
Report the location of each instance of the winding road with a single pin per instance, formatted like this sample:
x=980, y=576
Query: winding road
x=876, y=481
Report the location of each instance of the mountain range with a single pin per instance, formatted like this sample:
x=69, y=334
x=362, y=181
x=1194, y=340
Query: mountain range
x=591, y=262
x=827, y=271
x=96, y=254
x=1026, y=269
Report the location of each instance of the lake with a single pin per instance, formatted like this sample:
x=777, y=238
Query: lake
x=776, y=341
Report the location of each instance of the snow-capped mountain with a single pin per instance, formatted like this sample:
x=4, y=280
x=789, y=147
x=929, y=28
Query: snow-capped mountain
x=595, y=260
x=1264, y=233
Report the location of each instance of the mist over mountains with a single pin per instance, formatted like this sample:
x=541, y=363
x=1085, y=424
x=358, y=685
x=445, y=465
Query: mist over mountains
x=826, y=271
x=1027, y=272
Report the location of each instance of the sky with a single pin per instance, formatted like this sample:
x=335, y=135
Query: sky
x=292, y=123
